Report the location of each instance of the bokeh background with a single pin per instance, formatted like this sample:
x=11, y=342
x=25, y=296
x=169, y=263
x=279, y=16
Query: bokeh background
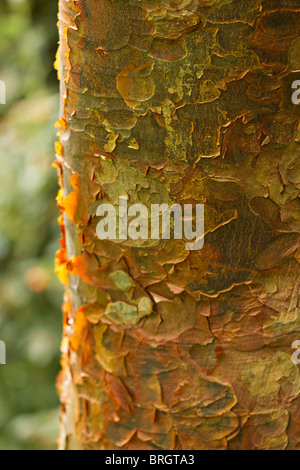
x=30, y=294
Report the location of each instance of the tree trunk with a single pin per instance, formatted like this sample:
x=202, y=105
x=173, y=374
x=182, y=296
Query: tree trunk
x=188, y=102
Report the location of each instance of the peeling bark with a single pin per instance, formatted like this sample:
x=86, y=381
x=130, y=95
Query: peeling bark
x=183, y=101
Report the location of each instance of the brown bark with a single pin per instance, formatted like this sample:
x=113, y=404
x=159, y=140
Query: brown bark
x=185, y=101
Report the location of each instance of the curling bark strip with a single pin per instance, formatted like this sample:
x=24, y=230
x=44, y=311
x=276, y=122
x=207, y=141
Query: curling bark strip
x=180, y=102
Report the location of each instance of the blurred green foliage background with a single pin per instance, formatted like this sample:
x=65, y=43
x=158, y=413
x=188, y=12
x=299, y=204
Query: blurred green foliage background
x=30, y=294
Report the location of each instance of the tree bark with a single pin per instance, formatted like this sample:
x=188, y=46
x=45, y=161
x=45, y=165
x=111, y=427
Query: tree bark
x=189, y=102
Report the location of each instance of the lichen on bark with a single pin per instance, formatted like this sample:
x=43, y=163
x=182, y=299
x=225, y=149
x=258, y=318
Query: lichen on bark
x=185, y=101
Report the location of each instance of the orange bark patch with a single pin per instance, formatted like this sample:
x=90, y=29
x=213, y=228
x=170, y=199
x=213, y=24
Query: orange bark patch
x=61, y=266
x=69, y=205
x=59, y=149
x=80, y=326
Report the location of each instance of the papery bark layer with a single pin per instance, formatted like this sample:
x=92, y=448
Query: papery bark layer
x=185, y=101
